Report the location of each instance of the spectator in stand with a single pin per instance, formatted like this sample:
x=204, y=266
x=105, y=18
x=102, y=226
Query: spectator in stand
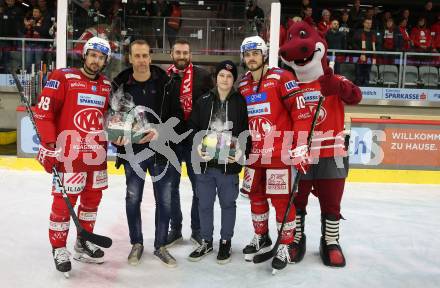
x=307, y=16
x=14, y=14
x=305, y=4
x=389, y=36
x=403, y=42
x=35, y=26
x=384, y=19
x=345, y=28
x=97, y=11
x=336, y=40
x=406, y=15
x=136, y=8
x=137, y=26
x=324, y=25
x=389, y=40
x=162, y=10
x=115, y=11
x=255, y=14
x=11, y=17
x=428, y=14
x=364, y=39
x=435, y=32
x=373, y=13
x=46, y=10
x=82, y=19
x=356, y=15
x=421, y=36
x=174, y=22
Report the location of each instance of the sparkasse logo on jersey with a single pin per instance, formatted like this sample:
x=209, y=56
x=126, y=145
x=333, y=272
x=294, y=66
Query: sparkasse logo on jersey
x=259, y=109
x=52, y=84
x=91, y=100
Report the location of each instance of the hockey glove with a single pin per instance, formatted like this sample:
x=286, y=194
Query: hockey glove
x=301, y=158
x=47, y=157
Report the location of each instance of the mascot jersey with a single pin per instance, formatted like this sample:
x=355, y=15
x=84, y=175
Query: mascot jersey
x=328, y=139
x=70, y=112
x=268, y=116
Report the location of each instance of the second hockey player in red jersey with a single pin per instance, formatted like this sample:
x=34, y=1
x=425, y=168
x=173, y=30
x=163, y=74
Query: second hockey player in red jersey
x=69, y=117
x=305, y=51
x=268, y=173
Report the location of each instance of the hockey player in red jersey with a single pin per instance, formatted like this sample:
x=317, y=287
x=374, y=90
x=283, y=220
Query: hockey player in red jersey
x=305, y=51
x=69, y=117
x=268, y=173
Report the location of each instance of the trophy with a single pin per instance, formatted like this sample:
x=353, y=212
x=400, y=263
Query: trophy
x=125, y=119
x=219, y=145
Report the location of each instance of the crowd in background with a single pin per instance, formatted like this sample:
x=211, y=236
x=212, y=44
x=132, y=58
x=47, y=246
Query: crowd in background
x=380, y=28
x=361, y=27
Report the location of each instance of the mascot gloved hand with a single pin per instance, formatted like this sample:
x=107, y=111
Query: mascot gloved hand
x=332, y=84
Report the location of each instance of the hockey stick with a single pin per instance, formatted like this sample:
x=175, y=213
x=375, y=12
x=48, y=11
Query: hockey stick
x=99, y=240
x=259, y=258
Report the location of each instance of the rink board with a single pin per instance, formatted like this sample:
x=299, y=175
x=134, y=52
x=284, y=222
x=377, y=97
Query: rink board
x=355, y=175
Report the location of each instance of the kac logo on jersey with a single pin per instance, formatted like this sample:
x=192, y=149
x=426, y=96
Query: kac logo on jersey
x=89, y=120
x=291, y=85
x=254, y=98
x=94, y=88
x=91, y=100
x=259, y=127
x=52, y=84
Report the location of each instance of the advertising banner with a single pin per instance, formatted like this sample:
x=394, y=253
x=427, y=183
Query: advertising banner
x=395, y=144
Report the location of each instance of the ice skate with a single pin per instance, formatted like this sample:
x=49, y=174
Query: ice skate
x=88, y=252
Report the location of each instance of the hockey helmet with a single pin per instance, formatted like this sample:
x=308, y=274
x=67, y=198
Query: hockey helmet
x=98, y=44
x=254, y=43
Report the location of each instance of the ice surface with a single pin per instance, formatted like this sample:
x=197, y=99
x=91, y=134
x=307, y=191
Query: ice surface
x=391, y=238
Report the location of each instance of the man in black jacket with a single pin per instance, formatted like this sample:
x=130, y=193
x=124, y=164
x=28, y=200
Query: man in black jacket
x=336, y=40
x=190, y=83
x=146, y=85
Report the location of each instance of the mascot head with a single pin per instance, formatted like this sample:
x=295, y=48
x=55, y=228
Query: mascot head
x=305, y=50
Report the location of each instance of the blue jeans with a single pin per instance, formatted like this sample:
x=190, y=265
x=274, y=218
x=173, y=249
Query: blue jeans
x=183, y=151
x=162, y=194
x=209, y=185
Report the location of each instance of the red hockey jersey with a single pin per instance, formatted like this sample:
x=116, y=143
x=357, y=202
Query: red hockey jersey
x=70, y=112
x=269, y=116
x=329, y=137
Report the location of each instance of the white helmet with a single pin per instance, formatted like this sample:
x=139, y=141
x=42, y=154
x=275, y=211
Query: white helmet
x=254, y=43
x=99, y=44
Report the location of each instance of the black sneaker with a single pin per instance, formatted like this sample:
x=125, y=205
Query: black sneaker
x=224, y=252
x=196, y=238
x=174, y=237
x=204, y=249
